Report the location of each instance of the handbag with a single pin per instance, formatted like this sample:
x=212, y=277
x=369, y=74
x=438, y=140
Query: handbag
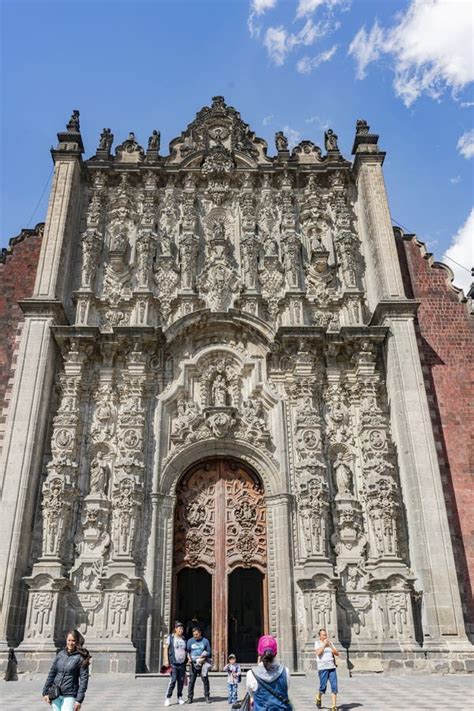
x=53, y=692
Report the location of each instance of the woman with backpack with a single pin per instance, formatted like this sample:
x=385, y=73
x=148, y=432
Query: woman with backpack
x=66, y=684
x=269, y=681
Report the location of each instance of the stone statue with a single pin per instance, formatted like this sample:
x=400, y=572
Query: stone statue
x=281, y=141
x=219, y=391
x=106, y=139
x=154, y=141
x=330, y=140
x=343, y=476
x=73, y=123
x=99, y=477
x=218, y=230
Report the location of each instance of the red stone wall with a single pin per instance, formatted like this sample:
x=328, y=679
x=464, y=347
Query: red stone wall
x=18, y=263
x=445, y=338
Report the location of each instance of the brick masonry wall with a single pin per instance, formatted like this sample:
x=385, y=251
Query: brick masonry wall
x=445, y=339
x=18, y=264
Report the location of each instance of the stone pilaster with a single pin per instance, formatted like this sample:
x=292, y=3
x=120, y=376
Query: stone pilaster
x=25, y=429
x=430, y=550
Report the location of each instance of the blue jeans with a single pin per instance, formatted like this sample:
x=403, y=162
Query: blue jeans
x=232, y=693
x=63, y=703
x=324, y=675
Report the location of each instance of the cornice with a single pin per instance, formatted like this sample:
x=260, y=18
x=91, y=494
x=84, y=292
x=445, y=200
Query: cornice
x=399, y=308
x=44, y=308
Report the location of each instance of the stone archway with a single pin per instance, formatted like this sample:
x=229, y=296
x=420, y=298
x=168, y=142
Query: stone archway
x=220, y=527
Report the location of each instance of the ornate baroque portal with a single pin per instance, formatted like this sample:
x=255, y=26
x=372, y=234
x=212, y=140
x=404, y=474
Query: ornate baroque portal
x=221, y=339
x=220, y=525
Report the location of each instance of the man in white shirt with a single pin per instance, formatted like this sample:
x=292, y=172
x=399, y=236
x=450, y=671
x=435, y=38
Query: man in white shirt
x=326, y=654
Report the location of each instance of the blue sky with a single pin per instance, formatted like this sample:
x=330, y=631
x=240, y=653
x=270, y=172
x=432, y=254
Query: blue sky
x=299, y=65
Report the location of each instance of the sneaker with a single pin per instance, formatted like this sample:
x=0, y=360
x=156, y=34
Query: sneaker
x=167, y=702
x=319, y=701
x=181, y=700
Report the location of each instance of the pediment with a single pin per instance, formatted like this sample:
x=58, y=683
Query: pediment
x=218, y=130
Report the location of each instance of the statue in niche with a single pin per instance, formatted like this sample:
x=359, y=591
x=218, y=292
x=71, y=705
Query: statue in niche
x=154, y=141
x=271, y=247
x=219, y=391
x=106, y=139
x=343, y=476
x=99, y=474
x=281, y=141
x=119, y=241
x=330, y=140
x=218, y=232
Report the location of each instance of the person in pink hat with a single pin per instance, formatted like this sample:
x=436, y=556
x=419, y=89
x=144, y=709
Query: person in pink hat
x=269, y=681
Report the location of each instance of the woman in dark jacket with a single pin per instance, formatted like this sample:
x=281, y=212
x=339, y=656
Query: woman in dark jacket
x=69, y=675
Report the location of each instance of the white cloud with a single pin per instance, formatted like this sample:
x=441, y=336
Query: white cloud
x=257, y=9
x=321, y=123
x=461, y=251
x=261, y=6
x=430, y=47
x=455, y=180
x=307, y=64
x=366, y=48
x=266, y=120
x=307, y=7
x=465, y=144
x=293, y=136
x=279, y=43
x=466, y=104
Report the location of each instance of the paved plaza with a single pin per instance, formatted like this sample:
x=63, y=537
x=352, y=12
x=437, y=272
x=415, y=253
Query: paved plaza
x=365, y=692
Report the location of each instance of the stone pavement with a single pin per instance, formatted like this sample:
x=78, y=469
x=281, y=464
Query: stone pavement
x=364, y=692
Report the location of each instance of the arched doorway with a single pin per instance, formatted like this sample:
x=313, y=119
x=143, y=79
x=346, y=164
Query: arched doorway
x=220, y=556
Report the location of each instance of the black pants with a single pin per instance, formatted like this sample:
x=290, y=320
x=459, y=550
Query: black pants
x=178, y=672
x=193, y=675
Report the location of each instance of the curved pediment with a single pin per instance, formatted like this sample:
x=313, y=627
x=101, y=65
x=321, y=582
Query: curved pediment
x=218, y=129
x=231, y=321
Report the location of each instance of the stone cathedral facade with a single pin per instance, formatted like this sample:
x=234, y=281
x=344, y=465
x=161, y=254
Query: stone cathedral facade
x=218, y=411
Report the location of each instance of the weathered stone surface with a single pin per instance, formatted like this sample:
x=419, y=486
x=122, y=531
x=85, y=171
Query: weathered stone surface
x=243, y=313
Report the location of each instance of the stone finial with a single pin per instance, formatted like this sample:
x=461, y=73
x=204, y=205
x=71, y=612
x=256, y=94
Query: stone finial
x=218, y=103
x=362, y=127
x=73, y=124
x=364, y=141
x=281, y=141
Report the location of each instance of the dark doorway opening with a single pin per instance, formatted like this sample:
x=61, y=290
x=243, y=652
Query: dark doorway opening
x=245, y=622
x=194, y=600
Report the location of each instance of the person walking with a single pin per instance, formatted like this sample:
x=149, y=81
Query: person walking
x=66, y=684
x=174, y=655
x=326, y=654
x=233, y=678
x=199, y=654
x=268, y=683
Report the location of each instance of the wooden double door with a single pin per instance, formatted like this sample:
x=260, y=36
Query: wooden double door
x=220, y=557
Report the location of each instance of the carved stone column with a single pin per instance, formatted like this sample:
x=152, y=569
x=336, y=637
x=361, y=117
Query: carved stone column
x=280, y=588
x=59, y=500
